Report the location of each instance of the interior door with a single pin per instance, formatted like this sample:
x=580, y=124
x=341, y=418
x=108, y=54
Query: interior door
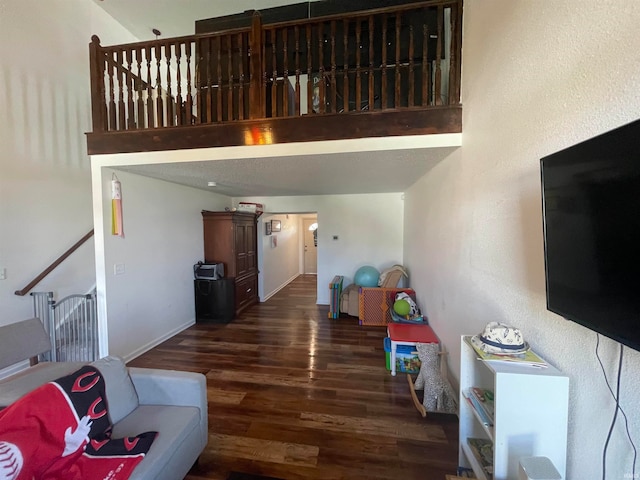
x=310, y=247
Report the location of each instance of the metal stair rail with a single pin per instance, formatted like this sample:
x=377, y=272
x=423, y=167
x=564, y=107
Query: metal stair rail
x=71, y=324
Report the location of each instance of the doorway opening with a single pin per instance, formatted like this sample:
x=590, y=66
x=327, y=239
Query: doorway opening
x=287, y=248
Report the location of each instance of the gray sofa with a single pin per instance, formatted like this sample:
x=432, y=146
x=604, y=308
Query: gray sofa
x=140, y=399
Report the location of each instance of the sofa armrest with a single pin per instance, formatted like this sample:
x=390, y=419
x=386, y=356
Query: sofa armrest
x=171, y=387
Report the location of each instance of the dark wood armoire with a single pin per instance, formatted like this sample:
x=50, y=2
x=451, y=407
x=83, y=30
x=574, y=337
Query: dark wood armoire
x=232, y=238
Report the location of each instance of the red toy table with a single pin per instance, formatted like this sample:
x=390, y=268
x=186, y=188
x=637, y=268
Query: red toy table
x=408, y=334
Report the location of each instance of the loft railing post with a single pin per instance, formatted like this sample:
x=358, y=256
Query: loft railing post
x=456, y=53
x=256, y=101
x=96, y=69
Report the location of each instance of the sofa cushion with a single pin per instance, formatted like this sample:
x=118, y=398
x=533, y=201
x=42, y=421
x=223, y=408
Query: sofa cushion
x=122, y=398
x=18, y=385
x=177, y=445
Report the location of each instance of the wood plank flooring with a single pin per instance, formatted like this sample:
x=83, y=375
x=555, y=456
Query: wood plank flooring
x=296, y=395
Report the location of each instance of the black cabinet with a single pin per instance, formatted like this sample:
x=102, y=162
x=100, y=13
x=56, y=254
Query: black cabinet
x=215, y=300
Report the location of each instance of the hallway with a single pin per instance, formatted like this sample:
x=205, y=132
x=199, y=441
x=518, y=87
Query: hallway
x=295, y=395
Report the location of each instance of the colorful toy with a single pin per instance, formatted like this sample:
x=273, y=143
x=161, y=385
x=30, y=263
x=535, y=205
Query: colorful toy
x=402, y=307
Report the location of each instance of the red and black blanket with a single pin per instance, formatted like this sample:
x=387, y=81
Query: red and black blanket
x=62, y=431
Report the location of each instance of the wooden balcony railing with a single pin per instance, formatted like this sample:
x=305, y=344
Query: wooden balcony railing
x=389, y=59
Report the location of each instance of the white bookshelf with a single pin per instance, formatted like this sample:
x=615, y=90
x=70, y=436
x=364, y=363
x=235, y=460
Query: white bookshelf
x=531, y=413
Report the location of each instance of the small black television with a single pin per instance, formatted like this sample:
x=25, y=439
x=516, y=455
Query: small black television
x=591, y=220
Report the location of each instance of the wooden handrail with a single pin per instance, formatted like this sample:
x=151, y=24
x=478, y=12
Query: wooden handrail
x=386, y=58
x=50, y=268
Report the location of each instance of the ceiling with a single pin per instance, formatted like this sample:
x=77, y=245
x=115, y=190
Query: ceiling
x=381, y=171
x=326, y=174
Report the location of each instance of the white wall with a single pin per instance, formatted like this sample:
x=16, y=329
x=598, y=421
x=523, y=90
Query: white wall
x=369, y=230
x=544, y=76
x=278, y=264
x=45, y=181
x=153, y=299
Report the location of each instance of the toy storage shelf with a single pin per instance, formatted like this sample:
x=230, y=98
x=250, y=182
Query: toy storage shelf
x=531, y=413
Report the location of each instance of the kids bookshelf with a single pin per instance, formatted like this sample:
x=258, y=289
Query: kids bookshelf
x=530, y=419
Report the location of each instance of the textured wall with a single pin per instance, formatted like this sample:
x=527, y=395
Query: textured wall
x=368, y=227
x=45, y=181
x=537, y=77
x=153, y=299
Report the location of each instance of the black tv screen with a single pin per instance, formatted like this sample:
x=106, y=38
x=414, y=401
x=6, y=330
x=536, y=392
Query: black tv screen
x=591, y=218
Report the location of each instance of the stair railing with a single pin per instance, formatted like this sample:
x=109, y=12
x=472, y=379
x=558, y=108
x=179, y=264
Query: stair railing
x=71, y=324
x=51, y=267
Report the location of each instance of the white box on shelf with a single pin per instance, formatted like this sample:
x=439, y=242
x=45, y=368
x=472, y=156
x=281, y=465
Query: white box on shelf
x=250, y=207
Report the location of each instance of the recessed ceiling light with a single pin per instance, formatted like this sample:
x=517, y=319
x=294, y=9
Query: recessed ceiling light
x=212, y=184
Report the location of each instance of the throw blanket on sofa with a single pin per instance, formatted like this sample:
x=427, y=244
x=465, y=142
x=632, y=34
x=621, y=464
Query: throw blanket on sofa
x=62, y=431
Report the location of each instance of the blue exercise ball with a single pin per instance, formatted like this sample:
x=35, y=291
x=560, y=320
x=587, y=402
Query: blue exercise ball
x=367, y=276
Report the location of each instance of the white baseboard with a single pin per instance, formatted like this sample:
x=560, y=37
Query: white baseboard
x=272, y=293
x=154, y=343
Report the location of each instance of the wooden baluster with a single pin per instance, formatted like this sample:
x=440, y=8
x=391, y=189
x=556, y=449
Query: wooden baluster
x=217, y=48
x=358, y=74
x=112, y=97
x=371, y=79
x=454, y=54
x=345, y=73
x=425, y=65
x=159, y=102
x=285, y=74
x=121, y=87
x=397, y=77
x=169, y=102
x=309, y=72
x=139, y=90
x=256, y=97
x=97, y=73
x=218, y=52
x=298, y=71
x=274, y=75
x=189, y=100
x=179, y=111
x=150, y=121
x=438, y=81
x=334, y=99
x=384, y=101
x=211, y=44
x=264, y=74
x=412, y=91
x=321, y=68
x=230, y=74
x=131, y=88
x=240, y=77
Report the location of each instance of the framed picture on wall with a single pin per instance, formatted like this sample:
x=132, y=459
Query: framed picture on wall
x=275, y=225
x=267, y=228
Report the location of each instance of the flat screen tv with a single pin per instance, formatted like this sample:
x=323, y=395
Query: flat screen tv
x=591, y=219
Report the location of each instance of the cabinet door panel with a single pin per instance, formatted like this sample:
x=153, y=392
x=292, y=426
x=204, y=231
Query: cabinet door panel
x=241, y=249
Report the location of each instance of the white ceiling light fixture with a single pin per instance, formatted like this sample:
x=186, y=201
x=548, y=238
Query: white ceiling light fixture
x=212, y=184
x=313, y=226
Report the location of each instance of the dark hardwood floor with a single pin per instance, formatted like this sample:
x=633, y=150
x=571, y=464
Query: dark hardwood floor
x=296, y=395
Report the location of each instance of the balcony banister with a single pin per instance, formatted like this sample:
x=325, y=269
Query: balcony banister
x=385, y=60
